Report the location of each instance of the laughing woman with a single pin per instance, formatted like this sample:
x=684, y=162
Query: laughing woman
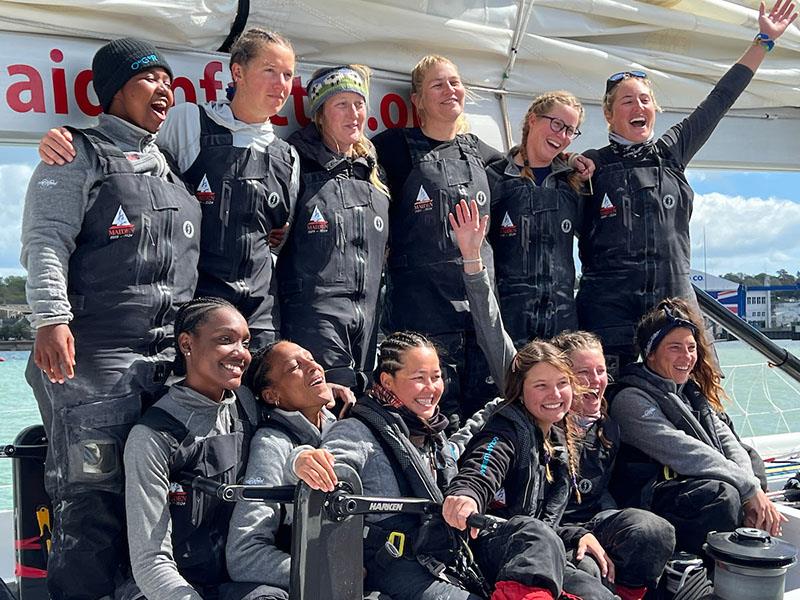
x=329, y=272
x=634, y=247
x=429, y=169
x=536, y=210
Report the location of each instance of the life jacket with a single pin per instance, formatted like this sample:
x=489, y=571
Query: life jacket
x=200, y=521
x=635, y=472
x=424, y=535
x=244, y=194
x=596, y=467
x=531, y=232
x=525, y=485
x=135, y=255
x=425, y=289
x=338, y=241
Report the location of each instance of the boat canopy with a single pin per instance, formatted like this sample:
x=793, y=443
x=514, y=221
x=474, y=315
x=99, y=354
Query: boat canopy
x=507, y=52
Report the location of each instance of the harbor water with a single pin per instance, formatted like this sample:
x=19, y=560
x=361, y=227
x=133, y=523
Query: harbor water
x=763, y=401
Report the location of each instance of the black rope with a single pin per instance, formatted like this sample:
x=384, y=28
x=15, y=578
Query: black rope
x=242, y=14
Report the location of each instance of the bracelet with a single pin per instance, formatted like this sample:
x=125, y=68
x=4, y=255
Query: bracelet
x=468, y=261
x=763, y=40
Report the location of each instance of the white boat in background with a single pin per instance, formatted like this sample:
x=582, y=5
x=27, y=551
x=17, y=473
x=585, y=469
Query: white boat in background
x=507, y=52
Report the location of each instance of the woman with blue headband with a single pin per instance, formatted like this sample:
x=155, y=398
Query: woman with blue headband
x=634, y=243
x=678, y=457
x=329, y=271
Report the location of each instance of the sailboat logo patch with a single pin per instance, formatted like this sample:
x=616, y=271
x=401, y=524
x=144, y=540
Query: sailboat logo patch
x=120, y=226
x=204, y=194
x=607, y=209
x=317, y=223
x=507, y=227
x=423, y=202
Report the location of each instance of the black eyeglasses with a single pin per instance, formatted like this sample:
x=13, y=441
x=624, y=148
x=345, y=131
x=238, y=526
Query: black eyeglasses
x=557, y=125
x=612, y=81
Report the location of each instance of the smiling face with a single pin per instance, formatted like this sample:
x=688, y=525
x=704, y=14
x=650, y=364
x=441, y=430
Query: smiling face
x=418, y=384
x=297, y=380
x=589, y=366
x=633, y=111
x=342, y=120
x=216, y=353
x=675, y=357
x=440, y=96
x=544, y=144
x=265, y=82
x=144, y=99
x=546, y=394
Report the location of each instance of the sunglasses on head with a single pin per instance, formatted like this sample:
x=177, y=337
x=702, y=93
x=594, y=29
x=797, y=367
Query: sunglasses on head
x=612, y=81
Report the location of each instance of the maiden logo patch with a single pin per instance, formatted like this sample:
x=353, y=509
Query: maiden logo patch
x=423, y=202
x=204, y=194
x=607, y=209
x=317, y=223
x=507, y=227
x=120, y=226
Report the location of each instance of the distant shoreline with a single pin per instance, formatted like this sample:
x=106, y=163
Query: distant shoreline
x=17, y=345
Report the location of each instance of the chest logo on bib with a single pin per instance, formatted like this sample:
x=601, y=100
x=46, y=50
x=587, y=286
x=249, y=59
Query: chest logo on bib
x=273, y=200
x=120, y=226
x=204, y=194
x=585, y=486
x=507, y=227
x=378, y=222
x=188, y=229
x=317, y=223
x=566, y=225
x=423, y=202
x=480, y=198
x=176, y=495
x=668, y=201
x=607, y=209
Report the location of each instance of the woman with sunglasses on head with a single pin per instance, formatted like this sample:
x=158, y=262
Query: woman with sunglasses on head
x=329, y=272
x=429, y=169
x=536, y=210
x=634, y=244
x=678, y=458
x=638, y=542
x=244, y=177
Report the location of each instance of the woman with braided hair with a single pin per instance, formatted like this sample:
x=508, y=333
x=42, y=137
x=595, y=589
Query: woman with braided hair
x=535, y=212
x=638, y=542
x=199, y=428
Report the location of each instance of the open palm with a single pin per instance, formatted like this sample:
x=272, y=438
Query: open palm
x=778, y=19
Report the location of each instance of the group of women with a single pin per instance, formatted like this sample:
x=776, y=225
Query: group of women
x=452, y=219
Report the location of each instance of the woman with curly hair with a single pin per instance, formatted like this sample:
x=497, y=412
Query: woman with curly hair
x=678, y=457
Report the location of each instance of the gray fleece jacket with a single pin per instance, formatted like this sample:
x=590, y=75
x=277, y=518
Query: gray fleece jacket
x=644, y=425
x=251, y=552
x=57, y=199
x=147, y=454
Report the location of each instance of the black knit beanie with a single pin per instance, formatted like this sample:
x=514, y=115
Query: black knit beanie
x=116, y=62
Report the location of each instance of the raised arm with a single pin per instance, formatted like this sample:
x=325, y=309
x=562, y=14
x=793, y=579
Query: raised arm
x=470, y=229
x=771, y=26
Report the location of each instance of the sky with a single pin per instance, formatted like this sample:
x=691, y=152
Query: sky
x=750, y=221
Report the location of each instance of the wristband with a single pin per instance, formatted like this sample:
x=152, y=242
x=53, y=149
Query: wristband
x=763, y=40
x=468, y=261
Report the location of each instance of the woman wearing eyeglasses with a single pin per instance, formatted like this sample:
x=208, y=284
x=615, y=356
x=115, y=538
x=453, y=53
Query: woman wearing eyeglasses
x=535, y=212
x=634, y=245
x=678, y=458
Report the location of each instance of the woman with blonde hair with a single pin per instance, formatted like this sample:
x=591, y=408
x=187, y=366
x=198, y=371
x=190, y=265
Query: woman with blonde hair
x=634, y=245
x=429, y=169
x=536, y=210
x=329, y=271
x=678, y=457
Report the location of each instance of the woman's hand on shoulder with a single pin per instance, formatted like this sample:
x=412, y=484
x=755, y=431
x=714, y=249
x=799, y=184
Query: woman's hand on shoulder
x=760, y=512
x=582, y=165
x=470, y=229
x=588, y=544
x=315, y=467
x=777, y=20
x=343, y=394
x=457, y=509
x=56, y=148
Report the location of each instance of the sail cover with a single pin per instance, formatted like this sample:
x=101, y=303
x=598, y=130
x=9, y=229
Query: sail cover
x=517, y=48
